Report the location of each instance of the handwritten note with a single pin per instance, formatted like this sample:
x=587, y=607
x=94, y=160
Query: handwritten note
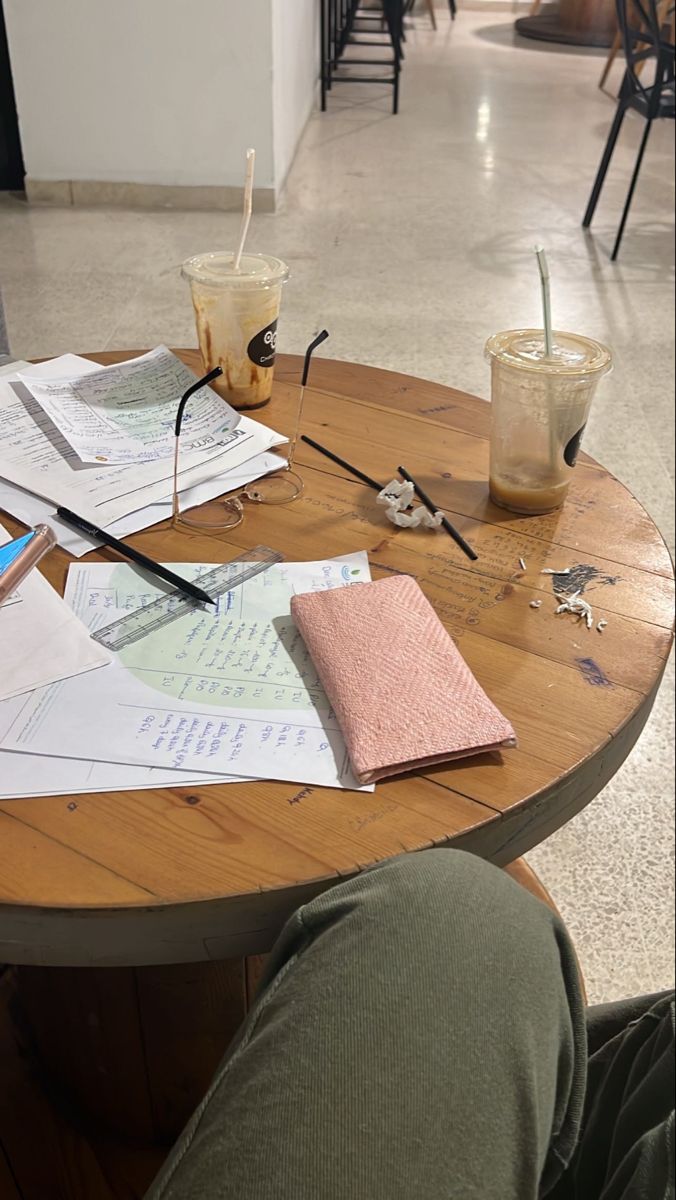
x=125, y=413
x=231, y=691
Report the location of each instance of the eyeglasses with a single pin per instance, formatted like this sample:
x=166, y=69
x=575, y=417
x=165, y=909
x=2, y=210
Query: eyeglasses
x=280, y=487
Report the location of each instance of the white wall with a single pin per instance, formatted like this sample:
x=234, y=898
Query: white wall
x=150, y=91
x=295, y=72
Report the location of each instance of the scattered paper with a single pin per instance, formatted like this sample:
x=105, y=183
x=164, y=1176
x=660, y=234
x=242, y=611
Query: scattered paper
x=231, y=691
x=40, y=775
x=41, y=640
x=37, y=458
x=31, y=510
x=15, y=598
x=125, y=413
x=27, y=775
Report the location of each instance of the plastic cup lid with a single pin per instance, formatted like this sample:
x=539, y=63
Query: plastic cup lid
x=573, y=354
x=215, y=269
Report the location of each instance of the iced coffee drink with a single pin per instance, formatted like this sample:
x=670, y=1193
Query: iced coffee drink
x=539, y=409
x=236, y=314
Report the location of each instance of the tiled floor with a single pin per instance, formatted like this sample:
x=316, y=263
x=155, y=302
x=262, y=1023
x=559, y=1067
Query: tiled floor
x=411, y=239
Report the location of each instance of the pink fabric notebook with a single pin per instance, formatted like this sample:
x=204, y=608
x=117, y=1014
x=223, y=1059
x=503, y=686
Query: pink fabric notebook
x=402, y=693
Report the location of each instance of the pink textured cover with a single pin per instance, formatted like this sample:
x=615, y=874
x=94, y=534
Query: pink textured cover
x=403, y=695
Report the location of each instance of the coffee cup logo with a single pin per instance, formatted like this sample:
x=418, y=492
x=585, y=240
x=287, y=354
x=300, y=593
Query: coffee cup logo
x=263, y=347
x=573, y=448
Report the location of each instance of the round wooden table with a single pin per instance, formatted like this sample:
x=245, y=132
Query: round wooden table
x=199, y=876
x=573, y=22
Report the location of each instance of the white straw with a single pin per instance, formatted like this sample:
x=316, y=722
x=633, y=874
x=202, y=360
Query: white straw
x=546, y=299
x=248, y=206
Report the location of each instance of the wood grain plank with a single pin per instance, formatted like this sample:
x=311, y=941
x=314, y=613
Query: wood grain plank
x=89, y=1041
x=8, y=1186
x=189, y=1015
x=49, y=1158
x=41, y=867
x=129, y=1170
x=226, y=839
x=255, y=966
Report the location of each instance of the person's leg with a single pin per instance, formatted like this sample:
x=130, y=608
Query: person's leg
x=626, y=1148
x=420, y=1032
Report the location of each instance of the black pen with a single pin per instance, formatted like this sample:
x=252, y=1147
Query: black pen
x=450, y=529
x=135, y=556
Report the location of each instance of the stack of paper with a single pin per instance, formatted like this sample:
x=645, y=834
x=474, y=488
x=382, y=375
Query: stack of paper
x=214, y=696
x=40, y=467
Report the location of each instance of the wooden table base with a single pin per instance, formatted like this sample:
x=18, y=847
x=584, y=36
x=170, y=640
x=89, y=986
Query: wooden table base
x=132, y=1050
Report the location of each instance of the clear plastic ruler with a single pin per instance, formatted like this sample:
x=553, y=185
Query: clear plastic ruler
x=222, y=578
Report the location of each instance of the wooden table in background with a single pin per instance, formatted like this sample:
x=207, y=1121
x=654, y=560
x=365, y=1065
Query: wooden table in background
x=205, y=876
x=572, y=22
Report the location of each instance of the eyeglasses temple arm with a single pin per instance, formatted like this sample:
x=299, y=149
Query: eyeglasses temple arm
x=321, y=337
x=195, y=387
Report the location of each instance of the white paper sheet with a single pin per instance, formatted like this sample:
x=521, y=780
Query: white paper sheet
x=31, y=510
x=41, y=640
x=125, y=413
x=26, y=775
x=36, y=456
x=39, y=775
x=227, y=691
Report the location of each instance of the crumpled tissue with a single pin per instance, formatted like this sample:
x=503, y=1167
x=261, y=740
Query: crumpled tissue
x=397, y=499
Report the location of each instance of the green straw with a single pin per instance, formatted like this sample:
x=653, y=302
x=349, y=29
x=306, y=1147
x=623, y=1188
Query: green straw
x=554, y=448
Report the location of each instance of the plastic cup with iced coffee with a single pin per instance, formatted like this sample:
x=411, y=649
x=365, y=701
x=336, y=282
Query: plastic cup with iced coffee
x=540, y=404
x=236, y=312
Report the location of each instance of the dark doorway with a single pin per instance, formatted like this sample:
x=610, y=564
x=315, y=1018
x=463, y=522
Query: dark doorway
x=11, y=158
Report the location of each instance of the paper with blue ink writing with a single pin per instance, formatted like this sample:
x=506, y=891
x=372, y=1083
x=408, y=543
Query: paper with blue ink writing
x=125, y=413
x=230, y=692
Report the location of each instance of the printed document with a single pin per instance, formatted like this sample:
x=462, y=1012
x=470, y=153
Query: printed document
x=37, y=457
x=126, y=412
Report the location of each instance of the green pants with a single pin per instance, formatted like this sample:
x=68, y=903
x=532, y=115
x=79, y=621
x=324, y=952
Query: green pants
x=421, y=1033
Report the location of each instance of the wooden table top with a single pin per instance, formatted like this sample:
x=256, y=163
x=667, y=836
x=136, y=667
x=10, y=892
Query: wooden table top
x=183, y=874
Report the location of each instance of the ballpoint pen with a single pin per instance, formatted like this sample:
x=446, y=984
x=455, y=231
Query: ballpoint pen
x=19, y=556
x=135, y=556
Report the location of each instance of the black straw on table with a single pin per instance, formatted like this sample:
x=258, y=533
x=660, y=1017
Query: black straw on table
x=378, y=487
x=434, y=508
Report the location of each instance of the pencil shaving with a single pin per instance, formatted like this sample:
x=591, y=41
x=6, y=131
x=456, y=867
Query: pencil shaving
x=577, y=606
x=550, y=571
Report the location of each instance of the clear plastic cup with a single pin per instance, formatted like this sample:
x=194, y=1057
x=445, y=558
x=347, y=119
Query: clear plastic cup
x=539, y=409
x=236, y=314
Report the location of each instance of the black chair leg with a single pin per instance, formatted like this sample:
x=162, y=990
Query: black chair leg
x=605, y=163
x=632, y=189
x=452, y=6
